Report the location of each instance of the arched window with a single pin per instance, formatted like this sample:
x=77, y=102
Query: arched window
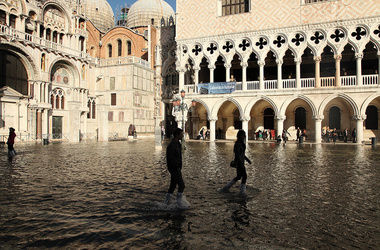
x=119, y=47
x=93, y=110
x=334, y=118
x=43, y=61
x=109, y=50
x=129, y=47
x=57, y=102
x=300, y=118
x=89, y=109
x=57, y=99
x=372, y=121
x=268, y=118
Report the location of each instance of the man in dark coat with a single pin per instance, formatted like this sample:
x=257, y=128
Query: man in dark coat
x=174, y=163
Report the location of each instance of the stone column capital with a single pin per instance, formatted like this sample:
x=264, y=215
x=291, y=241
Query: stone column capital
x=181, y=70
x=245, y=118
x=244, y=64
x=359, y=55
x=213, y=119
x=338, y=57
x=261, y=63
x=197, y=68
x=227, y=65
x=279, y=61
x=359, y=117
x=211, y=67
x=317, y=58
x=281, y=117
x=298, y=60
x=318, y=117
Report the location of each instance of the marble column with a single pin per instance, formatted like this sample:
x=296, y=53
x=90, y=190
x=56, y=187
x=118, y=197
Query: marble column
x=212, y=128
x=280, y=124
x=318, y=128
x=245, y=122
x=244, y=66
x=196, y=75
x=261, y=64
x=279, y=73
x=181, y=79
x=317, y=60
x=298, y=72
x=359, y=77
x=337, y=58
x=228, y=71
x=211, y=68
x=359, y=128
x=39, y=124
x=7, y=18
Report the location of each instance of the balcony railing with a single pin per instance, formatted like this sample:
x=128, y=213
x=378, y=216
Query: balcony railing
x=306, y=83
x=22, y=36
x=123, y=60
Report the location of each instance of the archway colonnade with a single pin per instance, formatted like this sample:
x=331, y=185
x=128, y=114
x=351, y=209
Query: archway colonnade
x=223, y=117
x=332, y=55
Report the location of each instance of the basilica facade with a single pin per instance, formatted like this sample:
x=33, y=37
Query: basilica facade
x=312, y=65
x=68, y=73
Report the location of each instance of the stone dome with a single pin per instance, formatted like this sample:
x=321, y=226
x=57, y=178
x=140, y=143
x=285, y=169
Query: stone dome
x=143, y=12
x=100, y=13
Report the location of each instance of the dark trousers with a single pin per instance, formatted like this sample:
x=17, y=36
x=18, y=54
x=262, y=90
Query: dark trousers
x=10, y=149
x=241, y=173
x=176, y=179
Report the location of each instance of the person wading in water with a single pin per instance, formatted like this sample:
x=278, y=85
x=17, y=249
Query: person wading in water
x=174, y=163
x=241, y=173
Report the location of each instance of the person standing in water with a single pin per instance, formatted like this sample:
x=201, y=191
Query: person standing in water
x=174, y=163
x=11, y=142
x=240, y=158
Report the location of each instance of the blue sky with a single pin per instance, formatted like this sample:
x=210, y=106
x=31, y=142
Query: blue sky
x=116, y=4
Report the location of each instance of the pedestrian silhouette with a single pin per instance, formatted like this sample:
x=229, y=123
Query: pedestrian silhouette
x=174, y=164
x=11, y=142
x=240, y=158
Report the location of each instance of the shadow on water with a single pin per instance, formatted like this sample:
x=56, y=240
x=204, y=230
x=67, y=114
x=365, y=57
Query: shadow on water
x=101, y=196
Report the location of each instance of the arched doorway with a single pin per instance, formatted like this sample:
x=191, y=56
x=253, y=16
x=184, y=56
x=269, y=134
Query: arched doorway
x=268, y=118
x=334, y=118
x=228, y=124
x=300, y=118
x=13, y=72
x=196, y=120
x=372, y=121
x=262, y=118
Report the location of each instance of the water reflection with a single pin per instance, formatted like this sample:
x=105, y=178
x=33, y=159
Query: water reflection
x=101, y=196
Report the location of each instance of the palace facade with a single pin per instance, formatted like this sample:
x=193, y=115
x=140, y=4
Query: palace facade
x=68, y=73
x=294, y=63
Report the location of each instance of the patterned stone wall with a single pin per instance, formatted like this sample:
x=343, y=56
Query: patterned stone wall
x=199, y=18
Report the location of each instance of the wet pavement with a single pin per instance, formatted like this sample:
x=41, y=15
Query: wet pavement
x=102, y=196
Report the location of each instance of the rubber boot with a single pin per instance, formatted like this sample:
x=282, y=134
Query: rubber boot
x=243, y=189
x=182, y=202
x=168, y=197
x=227, y=187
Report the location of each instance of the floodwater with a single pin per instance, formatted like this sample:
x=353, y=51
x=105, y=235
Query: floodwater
x=103, y=195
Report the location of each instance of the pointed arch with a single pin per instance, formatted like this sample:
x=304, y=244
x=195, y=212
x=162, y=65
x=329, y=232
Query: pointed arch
x=200, y=101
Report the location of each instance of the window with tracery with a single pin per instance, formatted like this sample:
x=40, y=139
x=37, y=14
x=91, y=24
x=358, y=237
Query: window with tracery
x=231, y=7
x=91, y=105
x=57, y=99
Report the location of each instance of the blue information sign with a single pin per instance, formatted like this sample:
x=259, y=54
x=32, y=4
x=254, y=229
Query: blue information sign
x=217, y=87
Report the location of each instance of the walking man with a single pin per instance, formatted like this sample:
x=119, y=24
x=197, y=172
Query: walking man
x=174, y=163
